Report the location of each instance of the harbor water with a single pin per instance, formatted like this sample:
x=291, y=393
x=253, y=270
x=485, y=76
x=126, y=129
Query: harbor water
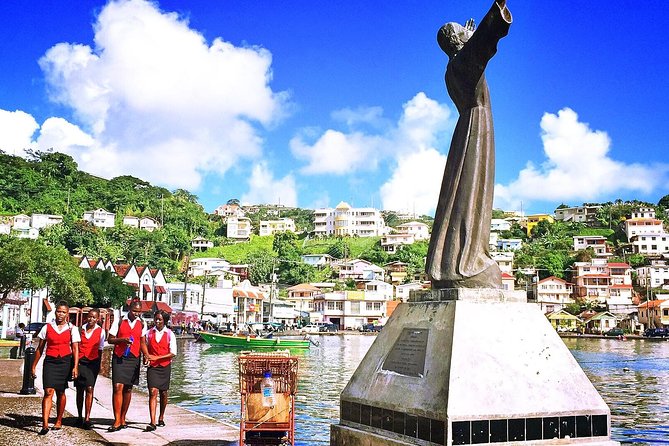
x=631, y=375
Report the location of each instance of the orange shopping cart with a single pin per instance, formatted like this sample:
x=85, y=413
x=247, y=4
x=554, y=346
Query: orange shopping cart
x=263, y=423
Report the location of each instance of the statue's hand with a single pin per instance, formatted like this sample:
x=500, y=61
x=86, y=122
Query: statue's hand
x=470, y=25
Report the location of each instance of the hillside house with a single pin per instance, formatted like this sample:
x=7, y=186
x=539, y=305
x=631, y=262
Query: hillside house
x=579, y=214
x=40, y=221
x=655, y=275
x=654, y=313
x=595, y=242
x=201, y=244
x=359, y=269
x=345, y=220
x=270, y=227
x=100, y=218
x=318, y=260
x=391, y=242
x=553, y=294
x=419, y=230
x=239, y=228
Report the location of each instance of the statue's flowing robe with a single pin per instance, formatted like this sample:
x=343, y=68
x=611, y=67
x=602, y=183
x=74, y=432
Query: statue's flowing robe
x=458, y=255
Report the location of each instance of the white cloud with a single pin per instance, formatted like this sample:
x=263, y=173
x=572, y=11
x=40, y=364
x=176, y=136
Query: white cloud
x=153, y=92
x=414, y=185
x=16, y=131
x=577, y=167
x=339, y=153
x=263, y=188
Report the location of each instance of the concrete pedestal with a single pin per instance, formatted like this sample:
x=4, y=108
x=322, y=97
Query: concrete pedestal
x=470, y=366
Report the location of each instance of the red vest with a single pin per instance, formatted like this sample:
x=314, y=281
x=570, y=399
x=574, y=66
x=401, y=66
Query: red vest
x=90, y=348
x=159, y=348
x=124, y=331
x=58, y=344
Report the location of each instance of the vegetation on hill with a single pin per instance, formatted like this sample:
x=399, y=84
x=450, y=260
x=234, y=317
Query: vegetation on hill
x=50, y=183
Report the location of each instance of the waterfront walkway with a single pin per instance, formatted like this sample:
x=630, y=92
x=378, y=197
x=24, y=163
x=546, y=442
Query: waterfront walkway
x=21, y=419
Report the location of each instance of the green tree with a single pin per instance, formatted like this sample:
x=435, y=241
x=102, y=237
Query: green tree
x=107, y=289
x=261, y=264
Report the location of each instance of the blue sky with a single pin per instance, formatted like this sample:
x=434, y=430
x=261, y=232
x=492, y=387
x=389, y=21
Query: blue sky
x=309, y=103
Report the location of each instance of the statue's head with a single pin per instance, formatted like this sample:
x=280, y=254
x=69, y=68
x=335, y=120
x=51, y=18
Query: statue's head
x=453, y=36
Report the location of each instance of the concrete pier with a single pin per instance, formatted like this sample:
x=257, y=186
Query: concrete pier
x=182, y=426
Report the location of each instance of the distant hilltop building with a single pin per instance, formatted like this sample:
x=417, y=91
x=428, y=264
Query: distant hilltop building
x=239, y=228
x=579, y=214
x=229, y=210
x=646, y=233
x=270, y=227
x=145, y=223
x=345, y=220
x=23, y=226
x=100, y=218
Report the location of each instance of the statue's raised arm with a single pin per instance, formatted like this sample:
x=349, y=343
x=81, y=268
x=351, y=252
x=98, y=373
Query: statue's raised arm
x=458, y=256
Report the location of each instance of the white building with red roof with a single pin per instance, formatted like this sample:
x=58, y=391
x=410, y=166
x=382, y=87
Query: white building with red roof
x=553, y=294
x=605, y=282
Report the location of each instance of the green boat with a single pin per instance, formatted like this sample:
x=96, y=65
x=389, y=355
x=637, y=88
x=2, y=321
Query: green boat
x=252, y=342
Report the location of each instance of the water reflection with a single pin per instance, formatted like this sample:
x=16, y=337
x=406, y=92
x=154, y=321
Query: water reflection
x=632, y=377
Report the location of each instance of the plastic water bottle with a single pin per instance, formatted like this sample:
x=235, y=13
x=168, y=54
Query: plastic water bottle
x=268, y=399
x=126, y=353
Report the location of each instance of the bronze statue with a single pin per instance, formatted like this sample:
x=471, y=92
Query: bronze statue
x=458, y=256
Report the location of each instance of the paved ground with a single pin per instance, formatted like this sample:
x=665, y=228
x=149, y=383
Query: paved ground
x=20, y=419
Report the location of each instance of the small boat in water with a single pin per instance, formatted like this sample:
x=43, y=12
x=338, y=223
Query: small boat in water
x=253, y=342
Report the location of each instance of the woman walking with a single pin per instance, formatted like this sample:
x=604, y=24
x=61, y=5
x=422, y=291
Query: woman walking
x=61, y=358
x=161, y=347
x=128, y=339
x=90, y=354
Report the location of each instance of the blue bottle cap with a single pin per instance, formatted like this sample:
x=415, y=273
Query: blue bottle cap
x=267, y=374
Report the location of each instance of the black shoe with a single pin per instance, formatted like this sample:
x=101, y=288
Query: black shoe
x=114, y=428
x=161, y=423
x=150, y=428
x=44, y=431
x=124, y=426
x=56, y=428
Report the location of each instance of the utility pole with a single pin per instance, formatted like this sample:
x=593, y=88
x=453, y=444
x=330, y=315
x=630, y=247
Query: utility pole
x=204, y=288
x=271, y=292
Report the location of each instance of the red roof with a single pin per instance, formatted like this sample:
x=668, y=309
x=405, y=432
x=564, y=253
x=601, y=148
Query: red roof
x=621, y=286
x=161, y=289
x=651, y=304
x=553, y=278
x=92, y=263
x=121, y=270
x=507, y=276
x=618, y=265
x=238, y=292
x=149, y=306
x=134, y=285
x=140, y=270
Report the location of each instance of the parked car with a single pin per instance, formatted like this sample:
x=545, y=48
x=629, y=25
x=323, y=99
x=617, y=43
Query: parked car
x=328, y=328
x=656, y=333
x=311, y=328
x=371, y=327
x=614, y=332
x=33, y=328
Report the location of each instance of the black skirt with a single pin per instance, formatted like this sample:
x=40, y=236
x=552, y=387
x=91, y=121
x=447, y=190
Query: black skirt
x=159, y=377
x=88, y=373
x=56, y=372
x=125, y=370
